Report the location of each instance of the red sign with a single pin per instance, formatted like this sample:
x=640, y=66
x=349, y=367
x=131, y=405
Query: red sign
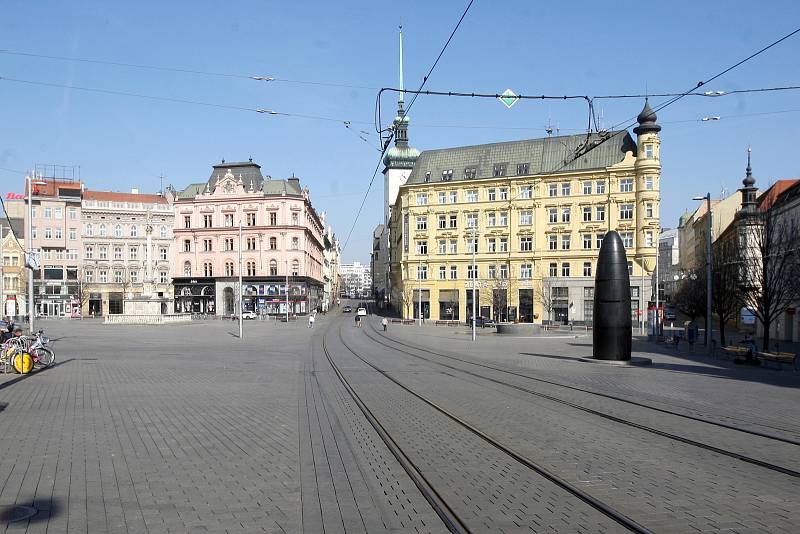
x=14, y=196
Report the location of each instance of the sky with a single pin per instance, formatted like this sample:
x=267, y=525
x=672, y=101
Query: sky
x=585, y=48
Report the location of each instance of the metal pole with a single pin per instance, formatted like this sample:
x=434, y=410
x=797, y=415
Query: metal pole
x=2, y=278
x=709, y=322
x=474, y=280
x=287, y=292
x=641, y=300
x=419, y=295
x=658, y=283
x=241, y=287
x=31, y=306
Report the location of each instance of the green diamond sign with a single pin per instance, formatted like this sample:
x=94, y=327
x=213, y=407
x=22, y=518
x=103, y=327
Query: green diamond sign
x=509, y=98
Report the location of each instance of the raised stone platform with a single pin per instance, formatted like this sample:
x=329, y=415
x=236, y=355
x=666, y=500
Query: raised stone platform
x=635, y=361
x=148, y=319
x=519, y=329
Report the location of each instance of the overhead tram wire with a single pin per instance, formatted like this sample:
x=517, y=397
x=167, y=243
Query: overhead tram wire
x=391, y=135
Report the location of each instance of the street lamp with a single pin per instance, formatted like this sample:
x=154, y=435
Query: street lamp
x=474, y=277
x=32, y=261
x=707, y=198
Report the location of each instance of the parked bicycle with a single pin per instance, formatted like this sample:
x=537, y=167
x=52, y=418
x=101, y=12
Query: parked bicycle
x=25, y=353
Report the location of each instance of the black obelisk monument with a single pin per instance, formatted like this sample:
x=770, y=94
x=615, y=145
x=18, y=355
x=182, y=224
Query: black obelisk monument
x=612, y=302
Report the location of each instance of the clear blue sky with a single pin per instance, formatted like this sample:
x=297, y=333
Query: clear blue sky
x=542, y=47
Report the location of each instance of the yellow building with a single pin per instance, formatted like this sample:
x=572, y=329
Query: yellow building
x=535, y=212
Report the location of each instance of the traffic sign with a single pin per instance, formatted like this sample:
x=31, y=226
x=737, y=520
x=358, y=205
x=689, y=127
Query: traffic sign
x=509, y=98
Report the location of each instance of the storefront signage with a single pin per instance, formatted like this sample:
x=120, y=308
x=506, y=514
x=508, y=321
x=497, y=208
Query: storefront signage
x=15, y=196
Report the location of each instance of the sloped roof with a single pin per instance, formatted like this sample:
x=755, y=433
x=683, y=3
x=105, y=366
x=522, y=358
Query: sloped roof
x=547, y=154
x=249, y=172
x=114, y=196
x=771, y=195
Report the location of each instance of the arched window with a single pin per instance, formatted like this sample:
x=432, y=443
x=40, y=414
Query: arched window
x=102, y=230
x=208, y=269
x=134, y=230
x=163, y=231
x=295, y=268
x=186, y=292
x=187, y=268
x=273, y=243
x=118, y=230
x=251, y=268
x=228, y=268
x=89, y=230
x=273, y=267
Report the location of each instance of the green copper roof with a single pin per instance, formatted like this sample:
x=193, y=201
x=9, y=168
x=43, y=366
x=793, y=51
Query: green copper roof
x=543, y=155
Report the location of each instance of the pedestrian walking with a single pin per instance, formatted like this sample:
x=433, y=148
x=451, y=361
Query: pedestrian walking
x=358, y=321
x=311, y=321
x=384, y=323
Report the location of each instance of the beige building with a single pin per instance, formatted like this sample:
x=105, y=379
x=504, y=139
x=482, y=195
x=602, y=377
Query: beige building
x=693, y=229
x=534, y=212
x=14, y=280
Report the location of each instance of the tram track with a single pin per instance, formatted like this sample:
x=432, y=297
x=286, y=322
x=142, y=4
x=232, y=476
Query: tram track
x=627, y=422
x=451, y=518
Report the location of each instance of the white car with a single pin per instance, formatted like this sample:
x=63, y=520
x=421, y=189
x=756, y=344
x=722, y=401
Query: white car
x=249, y=315
x=362, y=311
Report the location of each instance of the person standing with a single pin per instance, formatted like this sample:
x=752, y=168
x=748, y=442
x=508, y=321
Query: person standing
x=311, y=321
x=384, y=323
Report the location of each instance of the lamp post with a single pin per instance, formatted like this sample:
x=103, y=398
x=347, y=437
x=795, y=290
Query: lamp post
x=474, y=280
x=32, y=261
x=241, y=287
x=709, y=322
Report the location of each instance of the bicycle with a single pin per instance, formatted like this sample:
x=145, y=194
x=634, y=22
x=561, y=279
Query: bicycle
x=13, y=353
x=43, y=356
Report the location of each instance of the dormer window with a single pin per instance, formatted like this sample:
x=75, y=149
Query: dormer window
x=522, y=169
x=470, y=173
x=427, y=176
x=499, y=170
x=447, y=175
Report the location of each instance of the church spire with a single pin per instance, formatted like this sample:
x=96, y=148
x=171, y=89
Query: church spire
x=749, y=190
x=402, y=92
x=401, y=156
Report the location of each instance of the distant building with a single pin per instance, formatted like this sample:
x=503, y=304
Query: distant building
x=668, y=263
x=330, y=269
x=282, y=239
x=356, y=280
x=13, y=292
x=378, y=272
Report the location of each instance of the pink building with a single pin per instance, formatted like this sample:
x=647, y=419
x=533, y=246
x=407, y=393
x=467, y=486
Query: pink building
x=282, y=235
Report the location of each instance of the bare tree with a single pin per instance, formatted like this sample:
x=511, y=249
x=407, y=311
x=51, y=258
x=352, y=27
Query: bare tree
x=544, y=291
x=690, y=297
x=770, y=267
x=408, y=299
x=727, y=295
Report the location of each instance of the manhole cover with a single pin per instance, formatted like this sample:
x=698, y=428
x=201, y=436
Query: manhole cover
x=9, y=514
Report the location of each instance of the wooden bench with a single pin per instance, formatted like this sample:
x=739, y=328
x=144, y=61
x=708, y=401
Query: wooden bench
x=736, y=351
x=777, y=357
x=397, y=321
x=409, y=321
x=446, y=323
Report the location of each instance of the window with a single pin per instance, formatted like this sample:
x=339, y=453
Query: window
x=251, y=268
x=273, y=218
x=491, y=271
x=565, y=269
x=453, y=272
x=102, y=230
x=422, y=223
x=565, y=241
x=163, y=277
x=648, y=183
x=442, y=197
x=34, y=212
x=491, y=219
x=34, y=233
x=427, y=177
x=273, y=268
x=470, y=173
x=565, y=214
x=207, y=223
x=187, y=221
x=600, y=186
x=522, y=169
x=88, y=276
x=134, y=230
x=553, y=269
x=103, y=252
x=58, y=213
x=648, y=151
x=72, y=254
x=118, y=253
x=207, y=245
x=134, y=277
x=599, y=240
x=552, y=190
x=295, y=268
x=526, y=271
x=73, y=214
x=587, y=213
x=525, y=217
x=491, y=194
x=295, y=220
x=503, y=193
x=503, y=244
x=447, y=175
x=453, y=221
x=565, y=189
x=626, y=211
x=452, y=246
x=648, y=238
x=499, y=169
x=526, y=244
x=491, y=245
x=472, y=220
x=472, y=245
x=295, y=243
x=472, y=271
x=133, y=253
x=503, y=220
x=187, y=269
x=422, y=272
x=587, y=241
x=648, y=210
x=627, y=239
x=273, y=243
x=503, y=271
x=600, y=211
x=48, y=233
x=442, y=246
x=58, y=234
x=88, y=252
x=187, y=245
x=103, y=277
x=552, y=242
x=453, y=197
x=422, y=199
x=163, y=231
x=48, y=213
x=587, y=188
x=228, y=268
x=630, y=273
x=117, y=230
x=162, y=253
x=118, y=277
x=229, y=220
x=626, y=185
x=251, y=219
x=442, y=272
x=552, y=215
x=587, y=268
x=422, y=247
x=526, y=192
x=472, y=195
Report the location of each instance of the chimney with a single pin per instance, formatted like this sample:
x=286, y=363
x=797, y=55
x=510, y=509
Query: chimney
x=135, y=190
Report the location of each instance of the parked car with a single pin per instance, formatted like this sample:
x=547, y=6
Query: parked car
x=483, y=322
x=347, y=309
x=362, y=311
x=249, y=315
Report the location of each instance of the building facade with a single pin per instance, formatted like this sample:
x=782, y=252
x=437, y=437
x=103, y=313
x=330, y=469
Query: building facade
x=56, y=239
x=281, y=243
x=356, y=280
x=330, y=269
x=14, y=279
x=532, y=214
x=668, y=263
x=127, y=242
